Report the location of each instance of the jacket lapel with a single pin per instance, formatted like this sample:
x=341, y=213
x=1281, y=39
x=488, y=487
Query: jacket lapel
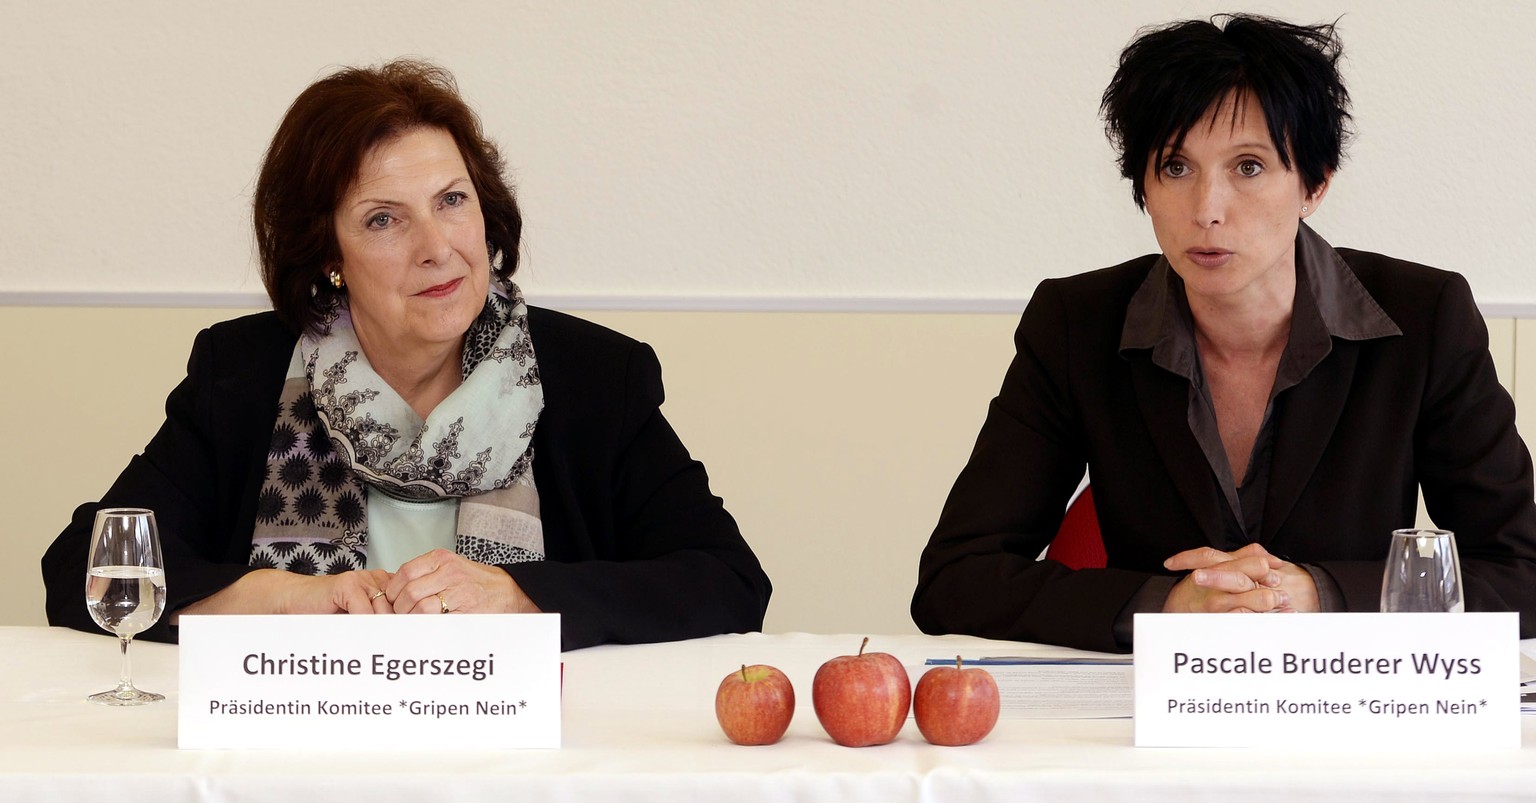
x=1164, y=401
x=1307, y=423
x=247, y=398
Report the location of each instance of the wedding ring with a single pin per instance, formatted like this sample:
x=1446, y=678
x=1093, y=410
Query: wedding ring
x=376, y=595
x=442, y=602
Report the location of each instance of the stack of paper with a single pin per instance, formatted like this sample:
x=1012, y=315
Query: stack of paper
x=1527, y=684
x=1097, y=687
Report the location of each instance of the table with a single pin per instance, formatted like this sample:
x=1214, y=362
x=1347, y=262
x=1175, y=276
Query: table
x=639, y=725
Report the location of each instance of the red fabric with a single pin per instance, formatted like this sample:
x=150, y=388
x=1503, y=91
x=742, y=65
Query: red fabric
x=1078, y=543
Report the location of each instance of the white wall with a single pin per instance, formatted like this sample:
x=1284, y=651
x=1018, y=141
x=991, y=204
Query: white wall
x=828, y=152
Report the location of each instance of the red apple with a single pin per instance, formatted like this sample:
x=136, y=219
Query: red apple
x=754, y=706
x=954, y=705
x=862, y=699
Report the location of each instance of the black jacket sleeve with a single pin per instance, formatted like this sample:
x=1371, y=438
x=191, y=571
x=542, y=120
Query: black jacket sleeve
x=1471, y=463
x=185, y=475
x=979, y=574
x=638, y=548
x=1423, y=409
x=649, y=553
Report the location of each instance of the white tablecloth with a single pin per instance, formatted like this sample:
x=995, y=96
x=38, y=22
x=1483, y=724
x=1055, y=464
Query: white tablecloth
x=639, y=725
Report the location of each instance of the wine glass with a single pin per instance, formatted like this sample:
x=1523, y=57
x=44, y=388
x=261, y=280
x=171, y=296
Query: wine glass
x=1423, y=573
x=125, y=587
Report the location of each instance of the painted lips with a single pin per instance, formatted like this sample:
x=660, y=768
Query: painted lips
x=1209, y=257
x=440, y=290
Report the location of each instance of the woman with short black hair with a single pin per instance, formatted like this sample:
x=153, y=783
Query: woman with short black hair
x=1256, y=409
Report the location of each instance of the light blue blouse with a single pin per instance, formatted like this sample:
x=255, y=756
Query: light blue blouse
x=399, y=530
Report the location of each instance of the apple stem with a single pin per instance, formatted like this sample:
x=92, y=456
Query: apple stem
x=863, y=644
x=743, y=673
x=957, y=662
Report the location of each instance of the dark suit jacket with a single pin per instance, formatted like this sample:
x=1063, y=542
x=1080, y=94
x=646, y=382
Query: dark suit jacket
x=1354, y=440
x=638, y=548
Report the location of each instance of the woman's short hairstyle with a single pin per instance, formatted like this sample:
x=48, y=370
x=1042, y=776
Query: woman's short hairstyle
x=314, y=159
x=1171, y=77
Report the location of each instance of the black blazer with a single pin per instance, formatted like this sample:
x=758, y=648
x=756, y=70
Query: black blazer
x=1373, y=421
x=638, y=549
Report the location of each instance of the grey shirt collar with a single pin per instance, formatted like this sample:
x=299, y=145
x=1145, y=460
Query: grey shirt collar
x=1330, y=302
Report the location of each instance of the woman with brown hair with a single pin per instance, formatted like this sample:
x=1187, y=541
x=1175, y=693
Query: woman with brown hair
x=402, y=433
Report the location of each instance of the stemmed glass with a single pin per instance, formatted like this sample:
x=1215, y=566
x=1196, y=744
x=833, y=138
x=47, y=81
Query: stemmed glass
x=1423, y=573
x=125, y=587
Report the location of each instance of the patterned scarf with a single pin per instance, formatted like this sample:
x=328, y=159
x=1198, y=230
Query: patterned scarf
x=341, y=429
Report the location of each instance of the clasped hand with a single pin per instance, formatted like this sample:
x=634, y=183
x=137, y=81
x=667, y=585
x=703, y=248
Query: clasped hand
x=439, y=581
x=1248, y=580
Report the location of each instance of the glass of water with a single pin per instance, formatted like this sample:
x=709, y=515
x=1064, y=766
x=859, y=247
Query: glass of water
x=125, y=588
x=1423, y=573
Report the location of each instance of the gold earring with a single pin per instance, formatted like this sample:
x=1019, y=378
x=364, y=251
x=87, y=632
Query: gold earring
x=336, y=281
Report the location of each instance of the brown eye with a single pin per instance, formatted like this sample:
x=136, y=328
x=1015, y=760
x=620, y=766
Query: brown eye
x=1249, y=168
x=1175, y=169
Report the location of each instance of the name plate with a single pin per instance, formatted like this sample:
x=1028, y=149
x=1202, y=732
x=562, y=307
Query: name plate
x=1352, y=680
x=458, y=682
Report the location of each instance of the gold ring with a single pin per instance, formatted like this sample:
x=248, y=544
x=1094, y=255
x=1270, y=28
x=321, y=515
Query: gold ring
x=442, y=602
x=376, y=595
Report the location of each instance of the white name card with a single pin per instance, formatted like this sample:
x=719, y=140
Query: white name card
x=458, y=682
x=1352, y=680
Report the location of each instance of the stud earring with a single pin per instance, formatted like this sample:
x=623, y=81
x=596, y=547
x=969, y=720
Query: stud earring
x=336, y=281
x=1303, y=211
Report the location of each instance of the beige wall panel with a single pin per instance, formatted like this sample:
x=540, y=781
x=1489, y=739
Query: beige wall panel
x=1523, y=381
x=833, y=438
x=1501, y=345
x=86, y=391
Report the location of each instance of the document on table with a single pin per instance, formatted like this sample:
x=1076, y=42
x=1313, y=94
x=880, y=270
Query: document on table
x=1527, y=684
x=1058, y=688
